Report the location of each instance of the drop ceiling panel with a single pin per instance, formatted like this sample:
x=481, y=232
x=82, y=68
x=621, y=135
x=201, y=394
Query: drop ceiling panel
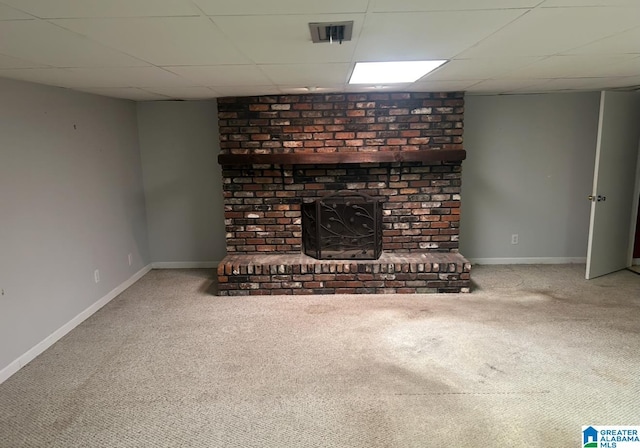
x=442, y=86
x=437, y=35
x=542, y=87
x=400, y=87
x=580, y=66
x=307, y=74
x=7, y=13
x=504, y=85
x=618, y=83
x=59, y=77
x=551, y=31
x=583, y=84
x=297, y=90
x=184, y=93
x=245, y=91
x=286, y=39
x=221, y=75
x=113, y=77
x=462, y=69
x=11, y=62
x=47, y=44
x=565, y=84
x=577, y=3
x=129, y=93
x=162, y=40
x=101, y=8
x=449, y=5
x=624, y=42
x=255, y=47
x=261, y=7
x=127, y=77
x=580, y=85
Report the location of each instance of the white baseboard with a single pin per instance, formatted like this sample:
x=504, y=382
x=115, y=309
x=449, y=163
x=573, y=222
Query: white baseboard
x=533, y=260
x=27, y=357
x=184, y=264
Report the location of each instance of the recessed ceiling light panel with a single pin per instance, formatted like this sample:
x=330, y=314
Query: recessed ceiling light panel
x=392, y=72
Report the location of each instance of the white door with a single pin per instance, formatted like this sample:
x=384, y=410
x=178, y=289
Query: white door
x=613, y=183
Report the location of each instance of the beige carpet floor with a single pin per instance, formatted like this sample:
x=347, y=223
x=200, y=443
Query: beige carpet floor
x=534, y=353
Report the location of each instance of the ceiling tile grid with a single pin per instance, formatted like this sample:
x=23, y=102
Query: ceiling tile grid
x=147, y=50
x=280, y=7
x=8, y=13
x=57, y=9
x=47, y=44
x=160, y=40
x=285, y=39
x=129, y=93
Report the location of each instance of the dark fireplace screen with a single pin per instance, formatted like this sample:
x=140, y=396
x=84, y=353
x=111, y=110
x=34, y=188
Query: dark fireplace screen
x=341, y=226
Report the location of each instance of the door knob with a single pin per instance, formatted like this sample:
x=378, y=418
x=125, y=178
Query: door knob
x=591, y=197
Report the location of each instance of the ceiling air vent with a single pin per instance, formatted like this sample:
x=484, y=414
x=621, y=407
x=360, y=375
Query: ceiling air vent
x=331, y=31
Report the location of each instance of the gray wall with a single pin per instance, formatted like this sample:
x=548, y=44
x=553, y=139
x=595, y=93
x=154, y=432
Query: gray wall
x=71, y=201
x=529, y=169
x=179, y=144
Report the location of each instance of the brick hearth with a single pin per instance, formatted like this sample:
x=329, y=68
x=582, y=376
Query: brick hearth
x=392, y=273
x=421, y=199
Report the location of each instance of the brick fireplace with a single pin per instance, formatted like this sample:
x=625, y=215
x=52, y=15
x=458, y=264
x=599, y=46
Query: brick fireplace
x=280, y=152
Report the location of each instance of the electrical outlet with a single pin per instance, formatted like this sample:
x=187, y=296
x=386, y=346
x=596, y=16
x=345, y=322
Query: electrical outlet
x=515, y=239
x=130, y=258
x=96, y=276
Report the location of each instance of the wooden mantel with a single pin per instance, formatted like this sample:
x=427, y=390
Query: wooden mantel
x=332, y=158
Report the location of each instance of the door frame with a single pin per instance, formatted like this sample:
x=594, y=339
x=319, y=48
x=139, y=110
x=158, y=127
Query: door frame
x=636, y=210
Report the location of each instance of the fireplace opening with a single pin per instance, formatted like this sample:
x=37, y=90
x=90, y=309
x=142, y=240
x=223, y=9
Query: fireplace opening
x=344, y=225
